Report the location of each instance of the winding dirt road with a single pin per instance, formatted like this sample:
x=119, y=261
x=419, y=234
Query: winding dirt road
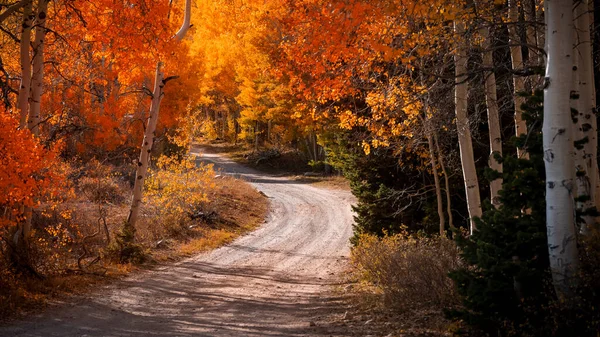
x=275, y=281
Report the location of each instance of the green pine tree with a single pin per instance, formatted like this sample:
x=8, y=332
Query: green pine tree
x=506, y=276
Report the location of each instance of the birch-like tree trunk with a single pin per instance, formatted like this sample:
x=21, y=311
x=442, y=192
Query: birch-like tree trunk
x=144, y=160
x=25, y=59
x=24, y=227
x=587, y=164
x=531, y=38
x=462, y=124
x=38, y=67
x=558, y=148
x=491, y=101
x=436, y=180
x=157, y=96
x=446, y=180
x=517, y=64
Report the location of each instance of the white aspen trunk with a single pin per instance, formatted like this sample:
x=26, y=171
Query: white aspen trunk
x=144, y=161
x=580, y=188
x=38, y=67
x=531, y=40
x=186, y=21
x=436, y=179
x=491, y=101
x=446, y=180
x=24, y=227
x=25, y=59
x=157, y=96
x=517, y=64
x=464, y=133
x=558, y=148
x=586, y=160
x=35, y=85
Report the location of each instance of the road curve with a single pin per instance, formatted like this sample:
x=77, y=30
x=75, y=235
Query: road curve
x=272, y=282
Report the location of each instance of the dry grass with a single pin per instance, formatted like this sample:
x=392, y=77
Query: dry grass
x=401, y=284
x=234, y=206
x=236, y=209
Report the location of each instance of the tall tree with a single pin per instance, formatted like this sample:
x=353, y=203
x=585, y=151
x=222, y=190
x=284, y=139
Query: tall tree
x=586, y=124
x=465, y=143
x=558, y=147
x=157, y=96
x=516, y=56
x=491, y=101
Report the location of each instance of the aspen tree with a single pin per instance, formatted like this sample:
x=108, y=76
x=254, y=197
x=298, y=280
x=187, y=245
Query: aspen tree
x=586, y=118
x=25, y=60
x=558, y=148
x=38, y=67
x=517, y=64
x=491, y=101
x=464, y=133
x=157, y=95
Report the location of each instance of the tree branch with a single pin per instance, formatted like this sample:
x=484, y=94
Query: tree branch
x=11, y=9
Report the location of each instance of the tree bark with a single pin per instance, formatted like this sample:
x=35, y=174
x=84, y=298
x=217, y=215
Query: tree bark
x=463, y=128
x=558, y=148
x=517, y=64
x=38, y=67
x=531, y=38
x=586, y=110
x=12, y=8
x=185, y=26
x=144, y=160
x=25, y=58
x=446, y=180
x=491, y=101
x=436, y=179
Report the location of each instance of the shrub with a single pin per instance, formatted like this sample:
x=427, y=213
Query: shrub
x=179, y=189
x=100, y=184
x=409, y=270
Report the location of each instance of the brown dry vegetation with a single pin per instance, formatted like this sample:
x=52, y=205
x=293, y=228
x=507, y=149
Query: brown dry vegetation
x=400, y=285
x=73, y=250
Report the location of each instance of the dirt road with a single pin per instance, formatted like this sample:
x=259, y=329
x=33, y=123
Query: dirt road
x=275, y=281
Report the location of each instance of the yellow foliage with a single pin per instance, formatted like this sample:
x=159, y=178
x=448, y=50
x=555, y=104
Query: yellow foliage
x=179, y=188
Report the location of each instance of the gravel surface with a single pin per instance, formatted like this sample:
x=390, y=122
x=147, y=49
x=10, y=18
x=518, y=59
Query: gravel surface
x=275, y=281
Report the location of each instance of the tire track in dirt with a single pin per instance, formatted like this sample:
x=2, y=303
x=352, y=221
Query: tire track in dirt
x=274, y=281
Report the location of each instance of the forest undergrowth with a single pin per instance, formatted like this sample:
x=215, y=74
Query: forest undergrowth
x=77, y=244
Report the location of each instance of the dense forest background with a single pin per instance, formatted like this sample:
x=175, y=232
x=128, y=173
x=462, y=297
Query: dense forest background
x=459, y=120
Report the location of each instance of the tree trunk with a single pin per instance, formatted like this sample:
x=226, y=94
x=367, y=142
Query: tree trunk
x=38, y=67
x=12, y=8
x=25, y=58
x=463, y=128
x=531, y=38
x=21, y=237
x=491, y=101
x=144, y=161
x=436, y=180
x=446, y=180
x=586, y=111
x=517, y=64
x=558, y=148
